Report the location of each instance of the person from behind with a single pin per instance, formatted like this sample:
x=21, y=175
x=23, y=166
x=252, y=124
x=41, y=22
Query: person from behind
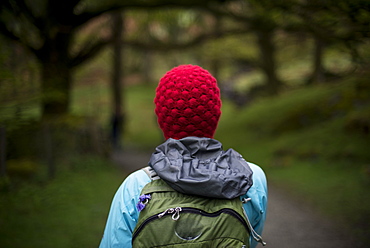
x=192, y=167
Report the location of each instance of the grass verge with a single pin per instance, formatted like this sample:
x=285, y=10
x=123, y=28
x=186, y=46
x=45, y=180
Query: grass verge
x=69, y=211
x=313, y=143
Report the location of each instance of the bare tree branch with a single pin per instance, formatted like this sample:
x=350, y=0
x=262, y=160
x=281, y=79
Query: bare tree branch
x=18, y=9
x=6, y=32
x=88, y=52
x=134, y=4
x=173, y=46
x=10, y=35
x=26, y=11
x=224, y=12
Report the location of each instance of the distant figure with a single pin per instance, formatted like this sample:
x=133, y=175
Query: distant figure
x=193, y=191
x=116, y=123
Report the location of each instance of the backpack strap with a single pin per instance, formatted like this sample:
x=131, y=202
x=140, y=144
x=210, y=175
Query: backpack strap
x=151, y=173
x=157, y=186
x=254, y=234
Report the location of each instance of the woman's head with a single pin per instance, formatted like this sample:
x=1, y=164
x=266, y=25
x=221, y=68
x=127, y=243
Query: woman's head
x=188, y=103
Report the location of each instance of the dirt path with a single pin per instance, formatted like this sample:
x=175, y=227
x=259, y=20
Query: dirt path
x=289, y=224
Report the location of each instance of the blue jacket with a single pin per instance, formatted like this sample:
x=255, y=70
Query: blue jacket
x=183, y=156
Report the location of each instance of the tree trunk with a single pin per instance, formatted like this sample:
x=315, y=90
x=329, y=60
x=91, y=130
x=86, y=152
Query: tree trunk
x=118, y=115
x=318, y=70
x=148, y=66
x=268, y=65
x=56, y=73
x=56, y=87
x=216, y=62
x=2, y=151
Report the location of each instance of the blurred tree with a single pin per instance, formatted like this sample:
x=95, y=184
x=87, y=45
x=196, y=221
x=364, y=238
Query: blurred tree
x=262, y=19
x=216, y=61
x=19, y=82
x=265, y=23
x=48, y=29
x=117, y=76
x=328, y=22
x=174, y=30
x=342, y=23
x=318, y=72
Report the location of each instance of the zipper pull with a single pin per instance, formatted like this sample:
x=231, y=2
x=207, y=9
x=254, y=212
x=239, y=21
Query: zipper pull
x=168, y=210
x=176, y=215
x=175, y=211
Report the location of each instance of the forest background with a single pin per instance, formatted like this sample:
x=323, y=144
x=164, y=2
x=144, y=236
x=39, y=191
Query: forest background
x=77, y=82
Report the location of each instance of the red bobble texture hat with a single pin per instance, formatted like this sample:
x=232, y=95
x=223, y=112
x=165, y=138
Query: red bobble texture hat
x=187, y=103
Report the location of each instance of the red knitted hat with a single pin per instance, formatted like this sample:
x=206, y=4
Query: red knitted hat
x=188, y=103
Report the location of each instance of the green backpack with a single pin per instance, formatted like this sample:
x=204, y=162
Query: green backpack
x=172, y=219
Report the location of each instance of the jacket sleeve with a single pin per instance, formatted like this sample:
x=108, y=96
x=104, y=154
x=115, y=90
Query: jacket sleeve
x=123, y=214
x=257, y=207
